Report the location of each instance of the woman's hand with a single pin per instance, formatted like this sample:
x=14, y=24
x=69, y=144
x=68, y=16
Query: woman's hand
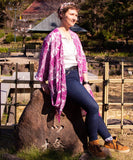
x=87, y=87
x=45, y=88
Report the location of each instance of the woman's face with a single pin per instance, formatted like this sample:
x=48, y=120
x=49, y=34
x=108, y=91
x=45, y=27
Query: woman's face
x=70, y=18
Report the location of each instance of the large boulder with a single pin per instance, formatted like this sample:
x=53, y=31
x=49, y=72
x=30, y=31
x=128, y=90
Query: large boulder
x=39, y=126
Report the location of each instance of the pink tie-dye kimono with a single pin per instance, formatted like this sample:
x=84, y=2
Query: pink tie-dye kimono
x=51, y=66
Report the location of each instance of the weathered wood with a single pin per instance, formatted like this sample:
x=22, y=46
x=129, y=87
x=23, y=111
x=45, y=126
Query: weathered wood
x=16, y=84
x=105, y=92
x=122, y=95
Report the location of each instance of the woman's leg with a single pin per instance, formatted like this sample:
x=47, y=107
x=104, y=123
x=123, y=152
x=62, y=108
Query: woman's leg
x=80, y=95
x=102, y=129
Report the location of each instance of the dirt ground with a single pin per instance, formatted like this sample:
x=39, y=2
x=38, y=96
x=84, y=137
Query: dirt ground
x=19, y=58
x=127, y=137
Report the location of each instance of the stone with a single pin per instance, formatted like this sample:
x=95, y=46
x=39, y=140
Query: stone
x=5, y=70
x=85, y=156
x=22, y=68
x=7, y=156
x=39, y=126
x=88, y=155
x=107, y=152
x=36, y=54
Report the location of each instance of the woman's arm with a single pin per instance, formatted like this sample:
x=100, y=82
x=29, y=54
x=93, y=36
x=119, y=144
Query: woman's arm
x=86, y=82
x=44, y=60
x=45, y=88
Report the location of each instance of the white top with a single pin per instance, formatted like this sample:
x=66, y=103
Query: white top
x=70, y=53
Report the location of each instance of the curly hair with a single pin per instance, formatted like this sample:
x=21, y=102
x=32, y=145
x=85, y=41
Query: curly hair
x=64, y=7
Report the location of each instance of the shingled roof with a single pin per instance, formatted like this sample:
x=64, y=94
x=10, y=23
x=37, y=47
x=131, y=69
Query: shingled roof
x=50, y=23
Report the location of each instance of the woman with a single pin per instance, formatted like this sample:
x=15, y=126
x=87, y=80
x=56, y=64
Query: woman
x=63, y=63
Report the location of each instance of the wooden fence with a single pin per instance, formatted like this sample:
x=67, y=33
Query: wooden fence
x=105, y=81
x=105, y=102
x=31, y=83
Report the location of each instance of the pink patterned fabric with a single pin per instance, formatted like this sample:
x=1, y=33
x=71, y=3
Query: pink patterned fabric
x=51, y=66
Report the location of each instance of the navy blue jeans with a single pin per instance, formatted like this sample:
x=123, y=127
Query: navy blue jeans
x=77, y=93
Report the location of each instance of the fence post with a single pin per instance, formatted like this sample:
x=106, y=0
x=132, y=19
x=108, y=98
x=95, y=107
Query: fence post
x=0, y=96
x=16, y=83
x=0, y=102
x=31, y=78
x=105, y=92
x=122, y=95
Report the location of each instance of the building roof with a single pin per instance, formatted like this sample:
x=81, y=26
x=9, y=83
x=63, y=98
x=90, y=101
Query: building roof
x=38, y=9
x=42, y=8
x=50, y=23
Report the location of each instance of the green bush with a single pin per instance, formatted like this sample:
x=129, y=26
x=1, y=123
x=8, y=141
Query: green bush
x=93, y=43
x=36, y=36
x=2, y=33
x=104, y=35
x=19, y=38
x=121, y=36
x=28, y=38
x=3, y=50
x=9, y=38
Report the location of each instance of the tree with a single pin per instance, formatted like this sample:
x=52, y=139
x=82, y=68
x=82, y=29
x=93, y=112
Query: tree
x=92, y=13
x=112, y=16
x=119, y=18
x=7, y=11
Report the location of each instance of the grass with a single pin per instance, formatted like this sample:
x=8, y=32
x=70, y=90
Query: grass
x=36, y=154
x=109, y=54
x=4, y=118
